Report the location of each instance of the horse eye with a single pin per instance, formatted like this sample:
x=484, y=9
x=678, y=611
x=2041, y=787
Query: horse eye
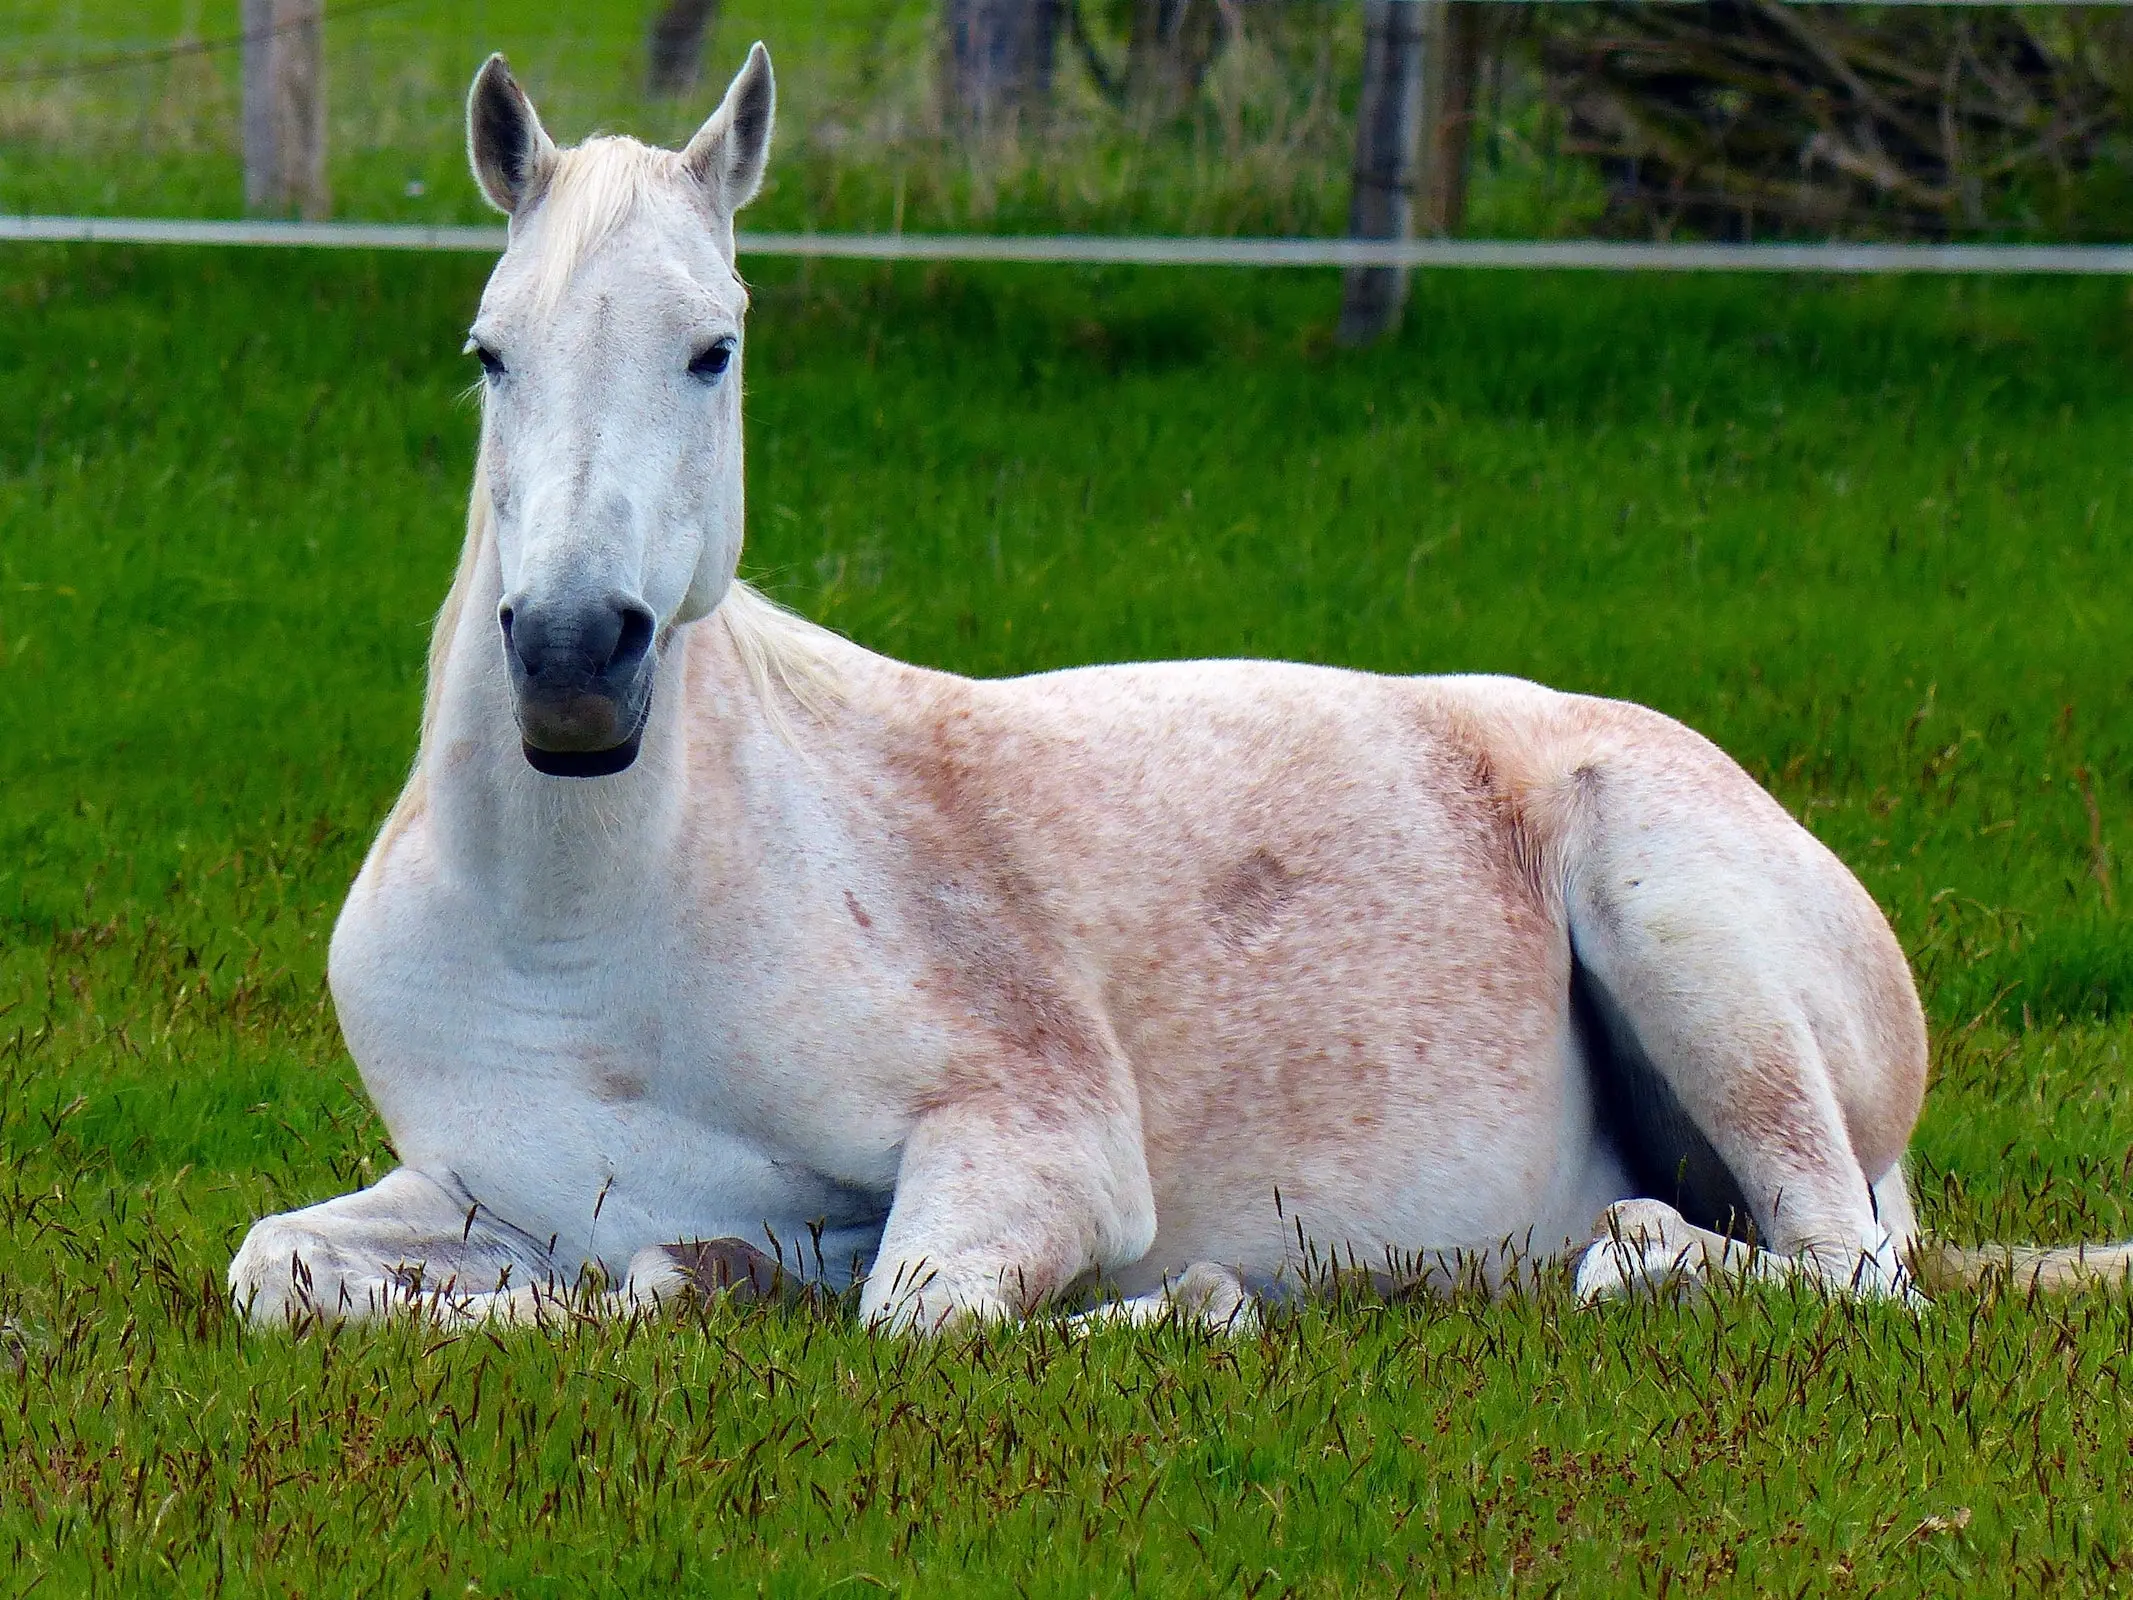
x=712, y=360
x=491, y=362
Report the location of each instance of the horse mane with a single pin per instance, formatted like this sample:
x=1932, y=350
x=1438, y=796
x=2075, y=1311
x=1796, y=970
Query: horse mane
x=481, y=522
x=786, y=658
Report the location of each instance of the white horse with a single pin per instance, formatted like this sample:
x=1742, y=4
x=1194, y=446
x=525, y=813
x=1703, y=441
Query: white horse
x=697, y=923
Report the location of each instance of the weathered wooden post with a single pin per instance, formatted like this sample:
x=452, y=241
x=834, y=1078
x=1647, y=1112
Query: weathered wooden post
x=1451, y=74
x=677, y=45
x=998, y=58
x=285, y=106
x=1388, y=140
x=1168, y=52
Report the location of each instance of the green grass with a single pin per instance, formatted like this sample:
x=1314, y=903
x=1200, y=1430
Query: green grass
x=1872, y=537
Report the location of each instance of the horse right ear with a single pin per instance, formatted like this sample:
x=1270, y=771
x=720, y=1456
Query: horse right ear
x=511, y=152
x=729, y=151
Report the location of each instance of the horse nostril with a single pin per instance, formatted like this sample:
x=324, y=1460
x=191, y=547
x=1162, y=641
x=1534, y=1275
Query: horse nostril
x=634, y=639
x=506, y=618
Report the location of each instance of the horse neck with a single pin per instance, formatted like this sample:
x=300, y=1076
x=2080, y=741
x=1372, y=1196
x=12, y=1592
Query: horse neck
x=534, y=843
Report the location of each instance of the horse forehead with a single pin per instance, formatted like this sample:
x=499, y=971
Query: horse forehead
x=654, y=270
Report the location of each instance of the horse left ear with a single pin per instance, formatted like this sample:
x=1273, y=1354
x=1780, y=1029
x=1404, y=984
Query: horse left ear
x=508, y=148
x=729, y=152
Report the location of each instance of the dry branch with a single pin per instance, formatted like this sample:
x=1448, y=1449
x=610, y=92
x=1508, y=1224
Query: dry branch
x=1740, y=118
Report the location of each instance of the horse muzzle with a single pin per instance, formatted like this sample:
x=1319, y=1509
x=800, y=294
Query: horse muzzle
x=581, y=680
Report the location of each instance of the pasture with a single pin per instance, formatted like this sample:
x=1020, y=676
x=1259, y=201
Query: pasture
x=1871, y=537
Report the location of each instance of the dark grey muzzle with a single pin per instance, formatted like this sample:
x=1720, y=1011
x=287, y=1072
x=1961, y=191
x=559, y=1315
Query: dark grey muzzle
x=581, y=672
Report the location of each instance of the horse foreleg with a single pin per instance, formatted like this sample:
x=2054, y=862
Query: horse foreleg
x=1000, y=1206
x=408, y=1243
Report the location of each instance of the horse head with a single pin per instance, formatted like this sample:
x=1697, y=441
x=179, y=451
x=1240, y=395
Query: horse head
x=610, y=343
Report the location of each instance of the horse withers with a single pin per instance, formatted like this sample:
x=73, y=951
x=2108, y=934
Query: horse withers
x=698, y=927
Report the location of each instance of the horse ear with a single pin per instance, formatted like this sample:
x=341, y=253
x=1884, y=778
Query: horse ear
x=729, y=151
x=510, y=151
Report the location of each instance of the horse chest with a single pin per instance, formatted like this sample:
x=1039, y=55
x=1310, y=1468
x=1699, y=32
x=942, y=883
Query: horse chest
x=588, y=1073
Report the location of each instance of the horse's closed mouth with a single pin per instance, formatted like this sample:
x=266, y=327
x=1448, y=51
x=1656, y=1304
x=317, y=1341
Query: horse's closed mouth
x=581, y=669
x=590, y=763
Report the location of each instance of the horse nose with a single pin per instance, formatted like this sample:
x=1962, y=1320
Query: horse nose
x=581, y=679
x=570, y=646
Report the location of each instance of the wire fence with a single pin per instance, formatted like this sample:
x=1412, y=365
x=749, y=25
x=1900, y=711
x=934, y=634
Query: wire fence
x=159, y=55
x=1664, y=124
x=1129, y=250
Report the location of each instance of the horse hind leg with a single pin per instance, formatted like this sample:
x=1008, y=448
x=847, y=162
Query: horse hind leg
x=1648, y=1247
x=1204, y=1295
x=1756, y=1042
x=1775, y=1169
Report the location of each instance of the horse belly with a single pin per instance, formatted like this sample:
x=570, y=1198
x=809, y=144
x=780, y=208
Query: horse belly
x=1403, y=1068
x=1280, y=1166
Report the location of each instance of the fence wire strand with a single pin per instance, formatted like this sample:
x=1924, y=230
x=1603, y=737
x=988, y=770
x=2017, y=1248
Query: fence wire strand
x=161, y=55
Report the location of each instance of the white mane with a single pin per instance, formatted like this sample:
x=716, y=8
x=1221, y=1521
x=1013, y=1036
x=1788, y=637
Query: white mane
x=592, y=192
x=784, y=654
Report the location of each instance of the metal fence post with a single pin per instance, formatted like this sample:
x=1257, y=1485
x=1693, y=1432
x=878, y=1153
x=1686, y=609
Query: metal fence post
x=285, y=107
x=1388, y=139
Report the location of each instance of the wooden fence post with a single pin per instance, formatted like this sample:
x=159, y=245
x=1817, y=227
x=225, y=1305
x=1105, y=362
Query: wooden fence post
x=677, y=45
x=1451, y=78
x=1388, y=140
x=1168, y=52
x=998, y=58
x=285, y=106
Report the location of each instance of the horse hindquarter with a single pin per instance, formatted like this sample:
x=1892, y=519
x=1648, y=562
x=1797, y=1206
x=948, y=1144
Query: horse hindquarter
x=1742, y=974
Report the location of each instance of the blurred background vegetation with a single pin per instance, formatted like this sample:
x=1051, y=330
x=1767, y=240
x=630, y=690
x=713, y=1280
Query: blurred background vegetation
x=1732, y=119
